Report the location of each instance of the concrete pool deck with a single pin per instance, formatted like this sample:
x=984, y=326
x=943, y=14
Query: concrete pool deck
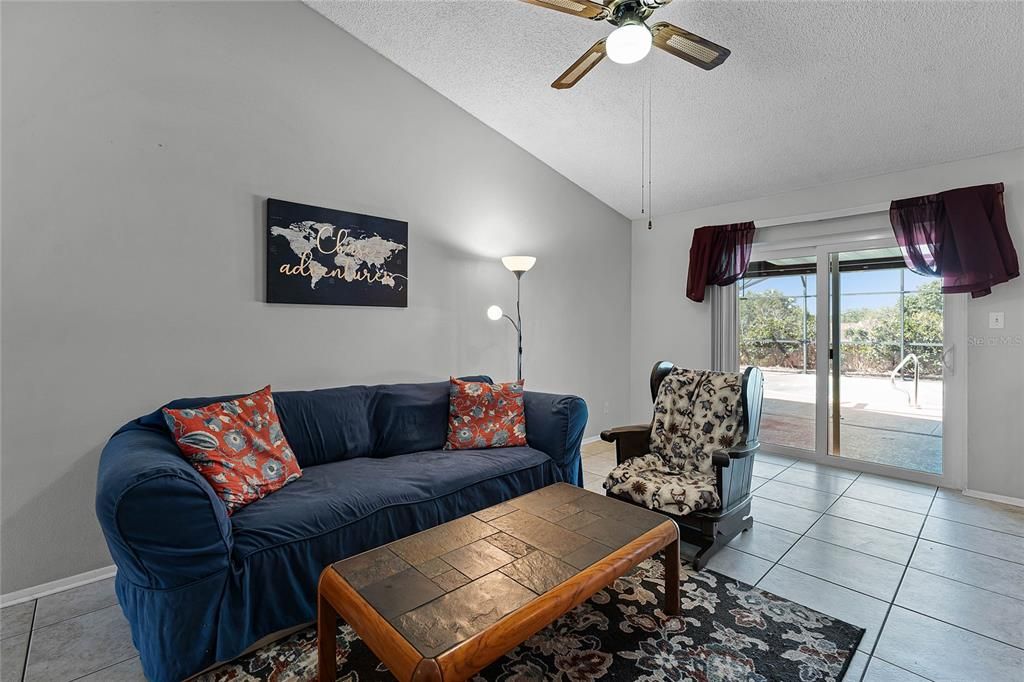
x=878, y=424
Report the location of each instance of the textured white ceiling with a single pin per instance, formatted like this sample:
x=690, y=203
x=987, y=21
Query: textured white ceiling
x=814, y=92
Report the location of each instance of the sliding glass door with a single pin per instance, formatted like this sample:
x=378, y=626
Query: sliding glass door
x=776, y=330
x=856, y=355
x=885, y=375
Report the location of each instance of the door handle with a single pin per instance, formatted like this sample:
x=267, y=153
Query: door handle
x=947, y=358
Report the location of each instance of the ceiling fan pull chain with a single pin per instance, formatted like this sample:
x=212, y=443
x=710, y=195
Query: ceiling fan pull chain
x=650, y=148
x=643, y=150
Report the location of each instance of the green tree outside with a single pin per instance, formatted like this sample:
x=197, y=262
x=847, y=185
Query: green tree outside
x=771, y=327
x=771, y=331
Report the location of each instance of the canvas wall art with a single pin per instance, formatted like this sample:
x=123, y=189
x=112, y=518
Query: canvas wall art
x=323, y=256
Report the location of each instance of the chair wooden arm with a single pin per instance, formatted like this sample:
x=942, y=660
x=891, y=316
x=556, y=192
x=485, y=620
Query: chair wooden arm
x=722, y=458
x=630, y=441
x=612, y=435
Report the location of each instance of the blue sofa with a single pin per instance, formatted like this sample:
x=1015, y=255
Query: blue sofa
x=199, y=587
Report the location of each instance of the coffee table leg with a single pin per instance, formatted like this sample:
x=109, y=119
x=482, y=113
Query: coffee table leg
x=671, y=578
x=326, y=640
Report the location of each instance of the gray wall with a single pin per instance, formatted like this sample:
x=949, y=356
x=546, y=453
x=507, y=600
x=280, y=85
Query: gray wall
x=667, y=325
x=139, y=142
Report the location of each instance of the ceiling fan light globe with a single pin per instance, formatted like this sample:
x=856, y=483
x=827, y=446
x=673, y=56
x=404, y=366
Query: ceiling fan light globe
x=628, y=43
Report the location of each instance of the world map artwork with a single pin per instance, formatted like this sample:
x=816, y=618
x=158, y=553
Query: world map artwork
x=324, y=256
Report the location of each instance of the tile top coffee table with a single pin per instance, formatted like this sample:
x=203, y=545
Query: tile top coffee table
x=446, y=602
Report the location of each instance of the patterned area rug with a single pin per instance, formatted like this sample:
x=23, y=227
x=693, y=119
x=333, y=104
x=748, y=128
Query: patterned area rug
x=727, y=631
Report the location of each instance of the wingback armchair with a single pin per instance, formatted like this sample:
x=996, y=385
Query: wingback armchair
x=694, y=461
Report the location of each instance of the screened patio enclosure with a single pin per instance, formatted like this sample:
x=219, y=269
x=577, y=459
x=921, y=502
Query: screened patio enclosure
x=888, y=372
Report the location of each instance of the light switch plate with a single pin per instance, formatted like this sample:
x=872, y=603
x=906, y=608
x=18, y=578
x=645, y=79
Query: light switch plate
x=995, y=321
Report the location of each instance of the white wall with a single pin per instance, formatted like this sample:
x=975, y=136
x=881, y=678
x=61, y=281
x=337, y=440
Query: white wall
x=668, y=326
x=139, y=143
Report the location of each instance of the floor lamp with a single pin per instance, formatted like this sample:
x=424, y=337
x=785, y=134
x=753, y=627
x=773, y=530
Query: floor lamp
x=517, y=265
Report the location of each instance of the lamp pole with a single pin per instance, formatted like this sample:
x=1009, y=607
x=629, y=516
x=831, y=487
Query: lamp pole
x=517, y=265
x=517, y=324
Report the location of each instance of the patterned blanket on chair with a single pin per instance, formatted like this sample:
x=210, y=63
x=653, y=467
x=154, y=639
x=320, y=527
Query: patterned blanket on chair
x=696, y=413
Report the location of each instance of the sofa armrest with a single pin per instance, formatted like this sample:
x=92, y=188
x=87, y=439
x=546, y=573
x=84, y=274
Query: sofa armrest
x=163, y=523
x=630, y=441
x=722, y=458
x=554, y=425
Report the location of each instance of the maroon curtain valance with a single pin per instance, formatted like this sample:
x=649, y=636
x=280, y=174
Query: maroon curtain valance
x=959, y=235
x=719, y=255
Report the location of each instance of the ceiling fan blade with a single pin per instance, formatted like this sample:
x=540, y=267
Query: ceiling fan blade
x=581, y=67
x=689, y=46
x=588, y=9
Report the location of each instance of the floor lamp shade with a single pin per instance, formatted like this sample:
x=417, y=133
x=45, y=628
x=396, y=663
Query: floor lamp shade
x=518, y=263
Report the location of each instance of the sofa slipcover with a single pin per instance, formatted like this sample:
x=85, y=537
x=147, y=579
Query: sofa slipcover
x=199, y=587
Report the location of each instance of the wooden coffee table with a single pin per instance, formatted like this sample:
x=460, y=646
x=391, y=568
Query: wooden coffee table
x=445, y=603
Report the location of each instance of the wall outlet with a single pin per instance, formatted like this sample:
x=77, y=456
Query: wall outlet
x=995, y=320
x=606, y=407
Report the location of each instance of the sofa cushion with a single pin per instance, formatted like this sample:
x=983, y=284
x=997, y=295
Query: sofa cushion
x=237, y=446
x=327, y=425
x=331, y=496
x=409, y=418
x=331, y=424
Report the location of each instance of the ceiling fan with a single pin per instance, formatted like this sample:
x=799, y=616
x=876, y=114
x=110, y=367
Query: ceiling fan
x=632, y=38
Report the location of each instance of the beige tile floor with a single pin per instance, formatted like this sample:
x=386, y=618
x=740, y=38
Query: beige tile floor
x=937, y=580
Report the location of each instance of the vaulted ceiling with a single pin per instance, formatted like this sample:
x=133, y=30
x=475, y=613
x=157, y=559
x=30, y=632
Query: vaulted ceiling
x=814, y=92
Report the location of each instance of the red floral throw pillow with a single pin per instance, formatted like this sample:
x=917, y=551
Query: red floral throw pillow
x=237, y=445
x=485, y=415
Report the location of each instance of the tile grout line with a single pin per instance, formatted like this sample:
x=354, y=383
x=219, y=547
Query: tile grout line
x=816, y=511
x=106, y=667
x=917, y=538
x=972, y=525
x=801, y=535
x=77, y=615
x=850, y=549
x=863, y=523
x=962, y=582
x=883, y=601
x=870, y=525
x=28, y=642
x=898, y=667
x=891, y=602
x=846, y=492
x=817, y=577
x=883, y=504
x=958, y=627
x=804, y=534
x=972, y=551
x=873, y=482
x=895, y=594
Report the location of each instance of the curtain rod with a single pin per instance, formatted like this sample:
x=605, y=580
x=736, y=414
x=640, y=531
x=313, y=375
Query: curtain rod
x=866, y=209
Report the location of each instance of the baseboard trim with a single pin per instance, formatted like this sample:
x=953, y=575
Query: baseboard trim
x=55, y=586
x=592, y=439
x=992, y=497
